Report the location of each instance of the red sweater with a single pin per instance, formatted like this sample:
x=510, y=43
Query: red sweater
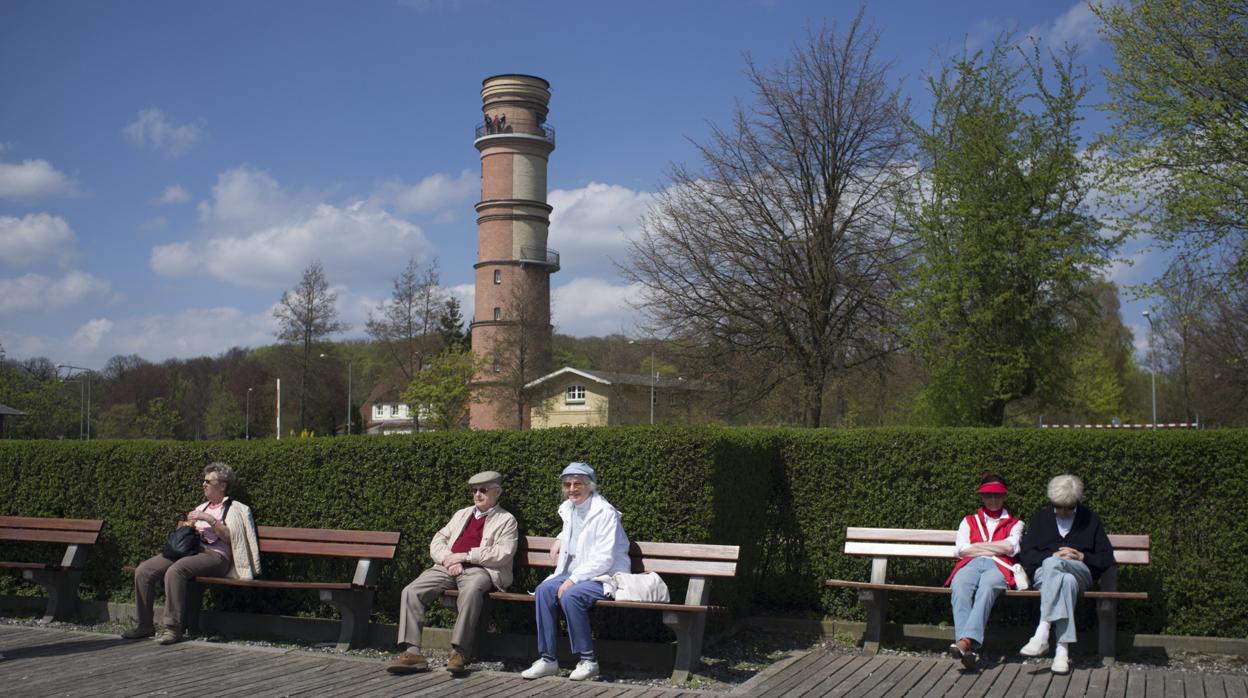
x=471, y=536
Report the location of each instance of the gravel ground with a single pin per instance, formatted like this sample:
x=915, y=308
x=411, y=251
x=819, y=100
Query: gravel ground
x=733, y=658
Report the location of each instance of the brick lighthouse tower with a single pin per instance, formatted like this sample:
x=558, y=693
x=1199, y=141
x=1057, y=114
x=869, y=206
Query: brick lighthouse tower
x=510, y=328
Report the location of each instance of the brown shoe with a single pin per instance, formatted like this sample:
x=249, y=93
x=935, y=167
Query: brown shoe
x=138, y=633
x=408, y=663
x=456, y=663
x=171, y=636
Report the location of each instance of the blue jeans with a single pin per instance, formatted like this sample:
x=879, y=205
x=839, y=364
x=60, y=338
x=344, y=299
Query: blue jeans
x=1060, y=582
x=576, y=603
x=975, y=589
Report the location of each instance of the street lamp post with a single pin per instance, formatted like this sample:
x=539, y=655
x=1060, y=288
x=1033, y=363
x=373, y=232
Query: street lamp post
x=1152, y=364
x=247, y=423
x=84, y=405
x=653, y=376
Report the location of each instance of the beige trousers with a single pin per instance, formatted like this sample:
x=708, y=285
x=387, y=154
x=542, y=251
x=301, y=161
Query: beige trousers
x=473, y=585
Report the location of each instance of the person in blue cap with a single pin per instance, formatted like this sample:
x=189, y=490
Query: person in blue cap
x=591, y=547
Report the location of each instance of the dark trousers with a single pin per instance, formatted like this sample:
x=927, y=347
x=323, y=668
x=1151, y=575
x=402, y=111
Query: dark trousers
x=177, y=576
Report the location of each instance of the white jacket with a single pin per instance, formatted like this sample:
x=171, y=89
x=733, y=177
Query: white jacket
x=603, y=547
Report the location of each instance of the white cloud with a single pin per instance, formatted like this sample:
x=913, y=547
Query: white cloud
x=34, y=238
x=151, y=130
x=34, y=179
x=40, y=293
x=261, y=235
x=1075, y=27
x=434, y=193
x=593, y=225
x=191, y=332
x=173, y=194
x=594, y=307
x=88, y=337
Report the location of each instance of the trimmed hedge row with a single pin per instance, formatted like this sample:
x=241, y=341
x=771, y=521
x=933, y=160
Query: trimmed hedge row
x=785, y=496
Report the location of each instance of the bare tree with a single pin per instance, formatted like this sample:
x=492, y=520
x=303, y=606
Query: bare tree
x=521, y=355
x=783, y=246
x=404, y=326
x=306, y=315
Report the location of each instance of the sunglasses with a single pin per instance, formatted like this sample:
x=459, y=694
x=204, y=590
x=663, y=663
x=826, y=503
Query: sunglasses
x=211, y=483
x=480, y=490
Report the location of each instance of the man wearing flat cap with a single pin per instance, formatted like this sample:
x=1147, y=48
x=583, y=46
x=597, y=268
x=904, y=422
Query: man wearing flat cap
x=472, y=553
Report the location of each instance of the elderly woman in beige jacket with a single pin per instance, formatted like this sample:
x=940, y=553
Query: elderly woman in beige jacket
x=228, y=548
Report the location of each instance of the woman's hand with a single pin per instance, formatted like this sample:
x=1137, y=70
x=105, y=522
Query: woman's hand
x=196, y=515
x=567, y=584
x=554, y=555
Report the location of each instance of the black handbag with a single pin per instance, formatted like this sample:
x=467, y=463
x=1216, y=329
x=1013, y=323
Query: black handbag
x=184, y=540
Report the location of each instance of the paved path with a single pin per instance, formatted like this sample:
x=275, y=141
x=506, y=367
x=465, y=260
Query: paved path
x=46, y=662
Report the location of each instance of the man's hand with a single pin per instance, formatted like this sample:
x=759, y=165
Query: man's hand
x=1067, y=553
x=567, y=584
x=454, y=559
x=455, y=570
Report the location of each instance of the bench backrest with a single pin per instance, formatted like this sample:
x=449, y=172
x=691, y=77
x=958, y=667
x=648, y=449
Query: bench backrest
x=328, y=542
x=928, y=543
x=695, y=560
x=76, y=534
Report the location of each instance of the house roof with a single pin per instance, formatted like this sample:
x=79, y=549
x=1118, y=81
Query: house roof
x=612, y=378
x=7, y=411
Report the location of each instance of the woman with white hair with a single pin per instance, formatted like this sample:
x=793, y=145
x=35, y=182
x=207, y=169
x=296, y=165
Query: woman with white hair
x=1064, y=549
x=591, y=547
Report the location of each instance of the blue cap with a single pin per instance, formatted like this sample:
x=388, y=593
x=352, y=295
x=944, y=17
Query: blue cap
x=580, y=469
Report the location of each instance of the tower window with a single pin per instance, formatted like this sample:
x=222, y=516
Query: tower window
x=498, y=276
x=498, y=313
x=498, y=366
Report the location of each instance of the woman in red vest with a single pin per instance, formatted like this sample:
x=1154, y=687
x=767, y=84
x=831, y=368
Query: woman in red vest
x=986, y=544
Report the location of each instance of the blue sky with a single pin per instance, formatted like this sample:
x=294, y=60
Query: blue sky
x=167, y=169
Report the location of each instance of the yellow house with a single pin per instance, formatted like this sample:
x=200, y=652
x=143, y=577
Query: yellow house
x=580, y=397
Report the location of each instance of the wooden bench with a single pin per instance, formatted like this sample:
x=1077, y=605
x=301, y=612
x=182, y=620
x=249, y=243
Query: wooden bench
x=880, y=544
x=353, y=599
x=60, y=580
x=688, y=620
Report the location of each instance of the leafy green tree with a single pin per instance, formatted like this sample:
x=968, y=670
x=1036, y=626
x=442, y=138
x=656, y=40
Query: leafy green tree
x=443, y=391
x=451, y=327
x=223, y=419
x=160, y=421
x=1179, y=148
x=121, y=421
x=1006, y=253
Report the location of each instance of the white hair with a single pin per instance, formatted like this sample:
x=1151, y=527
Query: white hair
x=1065, y=490
x=224, y=473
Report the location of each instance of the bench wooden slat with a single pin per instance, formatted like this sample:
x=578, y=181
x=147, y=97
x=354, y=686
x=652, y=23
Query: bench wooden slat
x=610, y=603
x=28, y=566
x=49, y=536
x=918, y=535
x=91, y=525
x=328, y=535
x=901, y=535
x=536, y=548
x=273, y=583
x=873, y=549
x=299, y=547
x=700, y=568
x=845, y=583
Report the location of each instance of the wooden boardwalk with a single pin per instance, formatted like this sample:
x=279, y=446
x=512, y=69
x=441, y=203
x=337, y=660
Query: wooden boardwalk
x=45, y=662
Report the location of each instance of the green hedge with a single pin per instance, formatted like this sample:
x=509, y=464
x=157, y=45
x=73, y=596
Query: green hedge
x=785, y=496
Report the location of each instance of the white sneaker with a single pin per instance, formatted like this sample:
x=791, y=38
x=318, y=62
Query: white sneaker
x=542, y=667
x=1061, y=664
x=584, y=670
x=1035, y=647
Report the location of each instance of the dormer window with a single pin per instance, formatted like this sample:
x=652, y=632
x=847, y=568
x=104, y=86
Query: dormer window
x=574, y=395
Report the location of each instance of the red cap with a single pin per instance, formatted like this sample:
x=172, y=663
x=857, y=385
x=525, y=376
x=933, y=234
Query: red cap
x=992, y=488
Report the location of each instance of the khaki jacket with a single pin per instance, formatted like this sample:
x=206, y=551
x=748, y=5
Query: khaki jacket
x=498, y=543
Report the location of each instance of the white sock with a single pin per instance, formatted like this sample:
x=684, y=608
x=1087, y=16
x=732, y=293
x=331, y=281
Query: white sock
x=1063, y=650
x=1042, y=631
